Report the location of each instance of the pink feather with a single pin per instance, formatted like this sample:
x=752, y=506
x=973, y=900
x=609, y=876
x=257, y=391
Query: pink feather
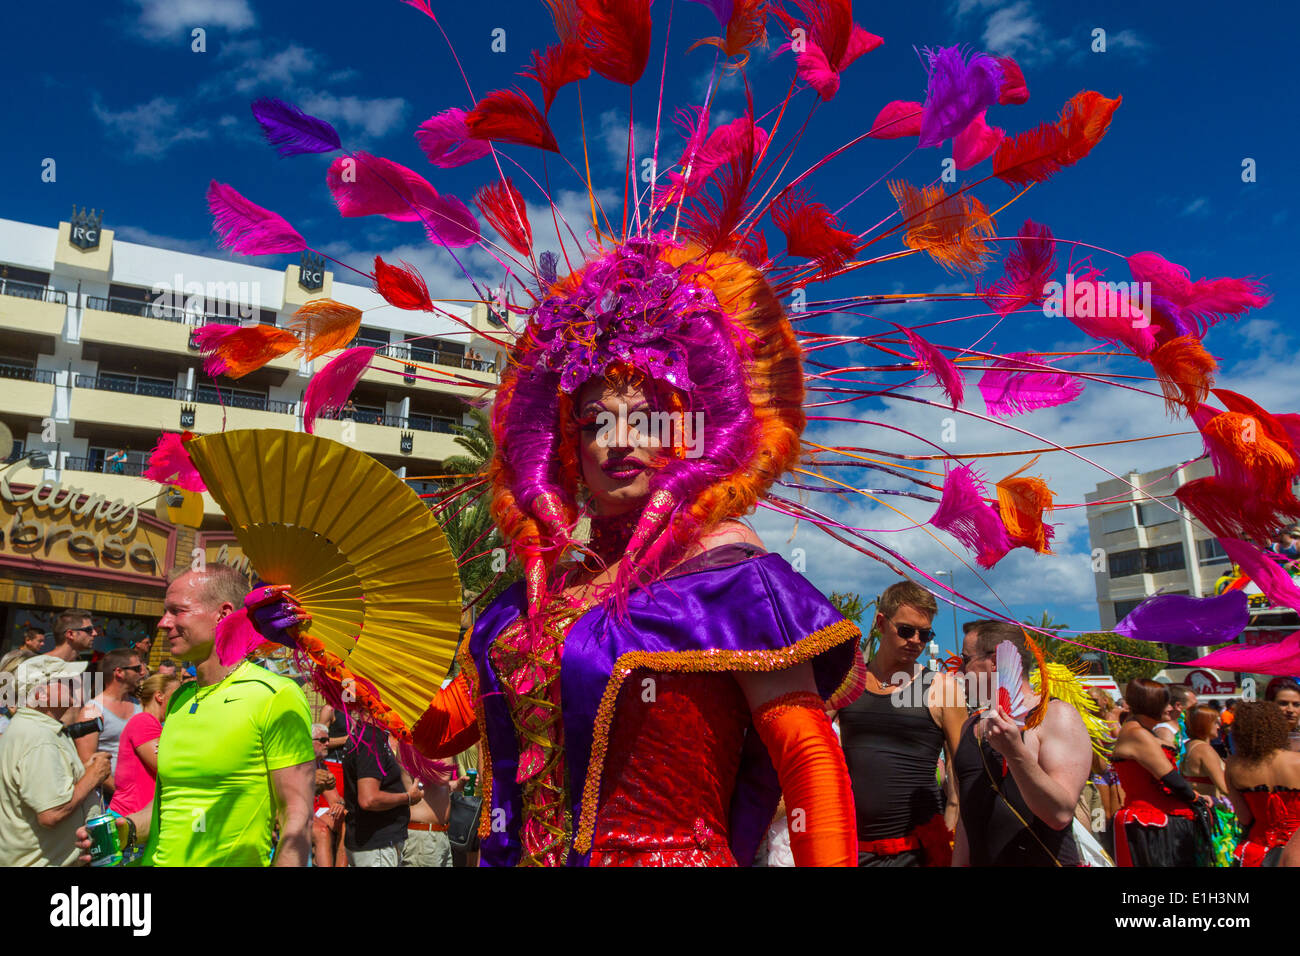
x=1268, y=574
x=1205, y=301
x=329, y=388
x=1026, y=272
x=1022, y=388
x=445, y=139
x=366, y=185
x=1281, y=658
x=706, y=155
x=431, y=773
x=1014, y=89
x=896, y=120
x=448, y=221
x=940, y=366
x=170, y=464
x=236, y=638
x=246, y=227
x=815, y=70
x=1121, y=323
x=966, y=515
x=976, y=142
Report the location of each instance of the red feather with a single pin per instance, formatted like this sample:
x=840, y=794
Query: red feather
x=567, y=18
x=402, y=287
x=502, y=205
x=811, y=231
x=1084, y=121
x=366, y=185
x=1014, y=89
x=1030, y=157
x=558, y=66
x=234, y=351
x=508, y=116
x=616, y=34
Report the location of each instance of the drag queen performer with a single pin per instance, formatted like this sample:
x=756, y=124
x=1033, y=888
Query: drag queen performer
x=647, y=703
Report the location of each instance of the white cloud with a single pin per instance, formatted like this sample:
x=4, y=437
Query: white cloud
x=1200, y=206
x=1127, y=40
x=375, y=117
x=281, y=69
x=613, y=133
x=161, y=19
x=152, y=128
x=1017, y=31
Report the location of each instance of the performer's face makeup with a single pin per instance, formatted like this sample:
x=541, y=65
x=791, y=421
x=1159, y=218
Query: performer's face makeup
x=616, y=446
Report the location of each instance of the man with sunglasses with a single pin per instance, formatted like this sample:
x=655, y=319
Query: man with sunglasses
x=122, y=672
x=74, y=641
x=892, y=736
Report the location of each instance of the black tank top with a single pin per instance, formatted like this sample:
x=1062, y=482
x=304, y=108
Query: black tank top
x=892, y=753
x=995, y=836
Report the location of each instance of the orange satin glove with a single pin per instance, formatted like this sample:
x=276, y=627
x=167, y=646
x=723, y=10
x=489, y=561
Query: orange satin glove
x=814, y=778
x=450, y=725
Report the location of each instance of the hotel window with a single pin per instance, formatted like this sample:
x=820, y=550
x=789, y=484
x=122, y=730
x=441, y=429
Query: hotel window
x=372, y=338
x=1168, y=557
x=1124, y=608
x=1154, y=513
x=1209, y=551
x=1119, y=519
x=1124, y=563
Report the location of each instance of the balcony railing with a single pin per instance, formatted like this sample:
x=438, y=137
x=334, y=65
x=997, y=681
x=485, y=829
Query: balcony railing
x=28, y=374
x=158, y=310
x=419, y=423
x=31, y=290
x=206, y=396
x=134, y=469
x=415, y=353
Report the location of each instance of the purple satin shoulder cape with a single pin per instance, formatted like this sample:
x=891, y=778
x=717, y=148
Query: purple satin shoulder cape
x=757, y=614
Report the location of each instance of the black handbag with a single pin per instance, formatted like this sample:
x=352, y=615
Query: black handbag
x=462, y=822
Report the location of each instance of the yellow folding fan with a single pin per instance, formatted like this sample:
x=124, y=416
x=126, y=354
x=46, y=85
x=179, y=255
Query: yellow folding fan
x=359, y=550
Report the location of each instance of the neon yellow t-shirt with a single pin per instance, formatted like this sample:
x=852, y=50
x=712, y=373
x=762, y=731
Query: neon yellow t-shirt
x=215, y=804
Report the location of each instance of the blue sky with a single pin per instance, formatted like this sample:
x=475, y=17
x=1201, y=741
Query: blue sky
x=138, y=124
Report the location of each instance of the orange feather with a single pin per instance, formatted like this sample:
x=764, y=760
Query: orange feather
x=1035, y=716
x=1186, y=372
x=950, y=229
x=325, y=326
x=1021, y=503
x=1084, y=121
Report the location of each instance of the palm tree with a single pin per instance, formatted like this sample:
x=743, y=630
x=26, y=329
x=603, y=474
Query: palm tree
x=467, y=521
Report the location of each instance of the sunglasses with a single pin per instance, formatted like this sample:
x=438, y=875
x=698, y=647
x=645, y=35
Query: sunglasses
x=908, y=631
x=133, y=667
x=89, y=629
x=321, y=740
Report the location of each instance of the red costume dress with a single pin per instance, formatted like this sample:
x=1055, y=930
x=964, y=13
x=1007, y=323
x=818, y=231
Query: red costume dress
x=1276, y=817
x=1154, y=827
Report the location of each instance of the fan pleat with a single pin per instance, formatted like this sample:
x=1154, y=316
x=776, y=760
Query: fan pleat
x=358, y=547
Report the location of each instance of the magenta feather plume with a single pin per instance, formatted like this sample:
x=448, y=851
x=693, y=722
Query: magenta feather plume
x=1280, y=589
x=432, y=773
x=958, y=90
x=236, y=638
x=366, y=185
x=705, y=154
x=1018, y=387
x=976, y=142
x=1280, y=658
x=896, y=120
x=170, y=464
x=940, y=366
x=444, y=138
x=291, y=131
x=966, y=515
x=246, y=227
x=329, y=388
x=1199, y=304
x=449, y=222
x=1025, y=273
x=1104, y=315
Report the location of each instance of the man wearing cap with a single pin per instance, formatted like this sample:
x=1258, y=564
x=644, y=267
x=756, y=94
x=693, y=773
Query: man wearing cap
x=46, y=791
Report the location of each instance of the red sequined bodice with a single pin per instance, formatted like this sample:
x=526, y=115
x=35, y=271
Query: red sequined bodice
x=1276, y=815
x=674, y=754
x=1143, y=791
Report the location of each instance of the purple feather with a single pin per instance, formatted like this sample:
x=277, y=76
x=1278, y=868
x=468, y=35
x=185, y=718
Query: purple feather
x=957, y=92
x=291, y=131
x=722, y=9
x=1189, y=621
x=1020, y=387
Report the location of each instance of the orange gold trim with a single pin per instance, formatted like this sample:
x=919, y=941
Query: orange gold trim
x=470, y=670
x=713, y=659
x=854, y=683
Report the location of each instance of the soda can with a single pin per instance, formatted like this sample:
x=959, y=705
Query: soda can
x=105, y=846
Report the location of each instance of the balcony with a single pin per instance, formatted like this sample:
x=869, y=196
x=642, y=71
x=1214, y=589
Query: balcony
x=27, y=307
x=26, y=391
x=132, y=469
x=128, y=323
x=389, y=373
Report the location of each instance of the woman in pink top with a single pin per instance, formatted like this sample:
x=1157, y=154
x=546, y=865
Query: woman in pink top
x=137, y=754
